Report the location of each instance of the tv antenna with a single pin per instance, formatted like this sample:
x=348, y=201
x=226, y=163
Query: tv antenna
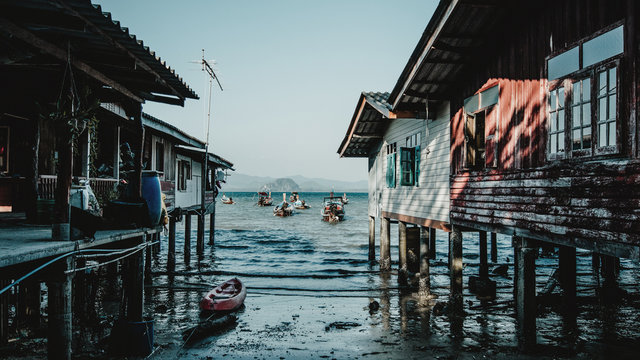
x=212, y=75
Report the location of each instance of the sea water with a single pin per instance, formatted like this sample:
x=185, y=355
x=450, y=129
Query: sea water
x=310, y=285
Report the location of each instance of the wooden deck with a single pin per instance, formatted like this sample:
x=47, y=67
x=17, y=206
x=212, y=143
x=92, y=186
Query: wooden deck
x=24, y=243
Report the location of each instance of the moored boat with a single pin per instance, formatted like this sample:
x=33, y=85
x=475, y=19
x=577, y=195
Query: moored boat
x=332, y=209
x=284, y=208
x=264, y=199
x=301, y=205
x=293, y=197
x=345, y=200
x=228, y=201
x=227, y=296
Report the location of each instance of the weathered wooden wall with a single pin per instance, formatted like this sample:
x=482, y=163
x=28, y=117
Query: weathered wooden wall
x=588, y=200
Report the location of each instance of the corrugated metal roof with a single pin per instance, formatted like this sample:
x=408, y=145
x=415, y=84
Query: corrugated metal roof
x=368, y=124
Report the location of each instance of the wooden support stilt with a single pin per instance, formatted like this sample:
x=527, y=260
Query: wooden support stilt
x=494, y=248
x=432, y=243
x=483, y=270
x=147, y=260
x=4, y=313
x=157, y=238
x=526, y=293
x=385, y=244
x=402, y=252
x=609, y=271
x=455, y=268
x=200, y=235
x=30, y=295
x=212, y=225
x=187, y=239
x=372, y=238
x=567, y=267
x=60, y=314
x=424, y=284
x=79, y=290
x=134, y=285
x=171, y=258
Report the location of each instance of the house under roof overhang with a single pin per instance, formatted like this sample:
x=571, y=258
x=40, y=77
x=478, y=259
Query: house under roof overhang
x=456, y=38
x=214, y=159
x=45, y=35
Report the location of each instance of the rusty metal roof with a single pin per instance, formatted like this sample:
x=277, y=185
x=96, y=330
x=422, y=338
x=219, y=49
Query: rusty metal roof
x=34, y=32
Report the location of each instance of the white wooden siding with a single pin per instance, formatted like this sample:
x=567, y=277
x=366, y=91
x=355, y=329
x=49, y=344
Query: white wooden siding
x=190, y=196
x=430, y=199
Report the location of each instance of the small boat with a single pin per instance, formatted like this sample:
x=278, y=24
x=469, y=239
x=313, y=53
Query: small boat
x=228, y=201
x=227, y=296
x=283, y=209
x=301, y=205
x=264, y=199
x=332, y=209
x=345, y=200
x=293, y=197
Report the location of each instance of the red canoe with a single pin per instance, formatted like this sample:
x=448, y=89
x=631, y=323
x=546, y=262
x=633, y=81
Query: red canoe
x=225, y=297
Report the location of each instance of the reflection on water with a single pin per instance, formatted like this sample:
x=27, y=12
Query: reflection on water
x=304, y=275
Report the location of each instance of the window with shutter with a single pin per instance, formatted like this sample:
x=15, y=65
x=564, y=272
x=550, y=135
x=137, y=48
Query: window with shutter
x=391, y=170
x=407, y=166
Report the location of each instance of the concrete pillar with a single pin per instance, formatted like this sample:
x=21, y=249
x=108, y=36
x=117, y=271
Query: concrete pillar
x=567, y=267
x=494, y=248
x=171, y=259
x=402, y=251
x=4, y=312
x=385, y=244
x=133, y=283
x=200, y=235
x=147, y=260
x=432, y=243
x=424, y=284
x=187, y=239
x=80, y=290
x=60, y=315
x=372, y=238
x=483, y=270
x=526, y=293
x=455, y=268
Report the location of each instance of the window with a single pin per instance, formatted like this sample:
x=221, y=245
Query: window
x=184, y=174
x=4, y=149
x=407, y=166
x=391, y=165
x=474, y=140
x=480, y=129
x=159, y=156
x=583, y=97
x=414, y=141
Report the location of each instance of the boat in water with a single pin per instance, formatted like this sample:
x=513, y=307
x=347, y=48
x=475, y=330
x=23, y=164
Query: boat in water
x=332, y=209
x=345, y=200
x=284, y=208
x=264, y=199
x=293, y=197
x=301, y=205
x=227, y=200
x=227, y=296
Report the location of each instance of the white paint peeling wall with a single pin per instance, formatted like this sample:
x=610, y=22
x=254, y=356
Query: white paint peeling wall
x=430, y=199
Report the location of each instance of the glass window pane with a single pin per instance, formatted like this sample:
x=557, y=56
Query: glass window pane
x=576, y=93
x=553, y=148
x=561, y=120
x=602, y=109
x=612, y=106
x=586, y=89
x=576, y=123
x=612, y=79
x=586, y=114
x=576, y=139
x=564, y=64
x=489, y=96
x=612, y=133
x=471, y=103
x=553, y=100
x=561, y=142
x=602, y=135
x=603, y=47
x=602, y=83
x=553, y=120
x=561, y=97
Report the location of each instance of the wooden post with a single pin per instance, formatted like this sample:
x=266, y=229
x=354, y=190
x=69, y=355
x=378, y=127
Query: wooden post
x=30, y=293
x=116, y=153
x=455, y=268
x=567, y=267
x=385, y=244
x=526, y=293
x=147, y=260
x=171, y=251
x=60, y=314
x=609, y=272
x=134, y=285
x=187, y=238
x=61, y=227
x=424, y=284
x=372, y=238
x=212, y=224
x=4, y=313
x=79, y=290
x=200, y=235
x=494, y=248
x=432, y=243
x=402, y=251
x=136, y=178
x=483, y=271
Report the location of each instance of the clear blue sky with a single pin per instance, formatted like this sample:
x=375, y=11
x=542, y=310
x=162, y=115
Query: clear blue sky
x=292, y=72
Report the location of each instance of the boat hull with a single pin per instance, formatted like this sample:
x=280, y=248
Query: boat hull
x=227, y=296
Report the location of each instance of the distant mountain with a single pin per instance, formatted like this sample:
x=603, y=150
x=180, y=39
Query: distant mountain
x=285, y=184
x=242, y=182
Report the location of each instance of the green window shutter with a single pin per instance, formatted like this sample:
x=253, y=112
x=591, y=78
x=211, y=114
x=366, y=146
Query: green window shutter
x=391, y=170
x=417, y=164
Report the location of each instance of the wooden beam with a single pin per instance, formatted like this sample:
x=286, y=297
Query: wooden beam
x=446, y=61
x=356, y=136
x=60, y=54
x=117, y=44
x=163, y=99
x=461, y=50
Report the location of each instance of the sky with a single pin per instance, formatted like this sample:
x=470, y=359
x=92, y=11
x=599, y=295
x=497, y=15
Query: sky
x=292, y=72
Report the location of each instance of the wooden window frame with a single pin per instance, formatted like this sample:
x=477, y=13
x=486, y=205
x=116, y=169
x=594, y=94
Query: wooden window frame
x=607, y=149
x=159, y=156
x=407, y=166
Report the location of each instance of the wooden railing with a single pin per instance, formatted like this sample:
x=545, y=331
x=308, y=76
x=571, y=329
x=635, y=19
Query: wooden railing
x=47, y=186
